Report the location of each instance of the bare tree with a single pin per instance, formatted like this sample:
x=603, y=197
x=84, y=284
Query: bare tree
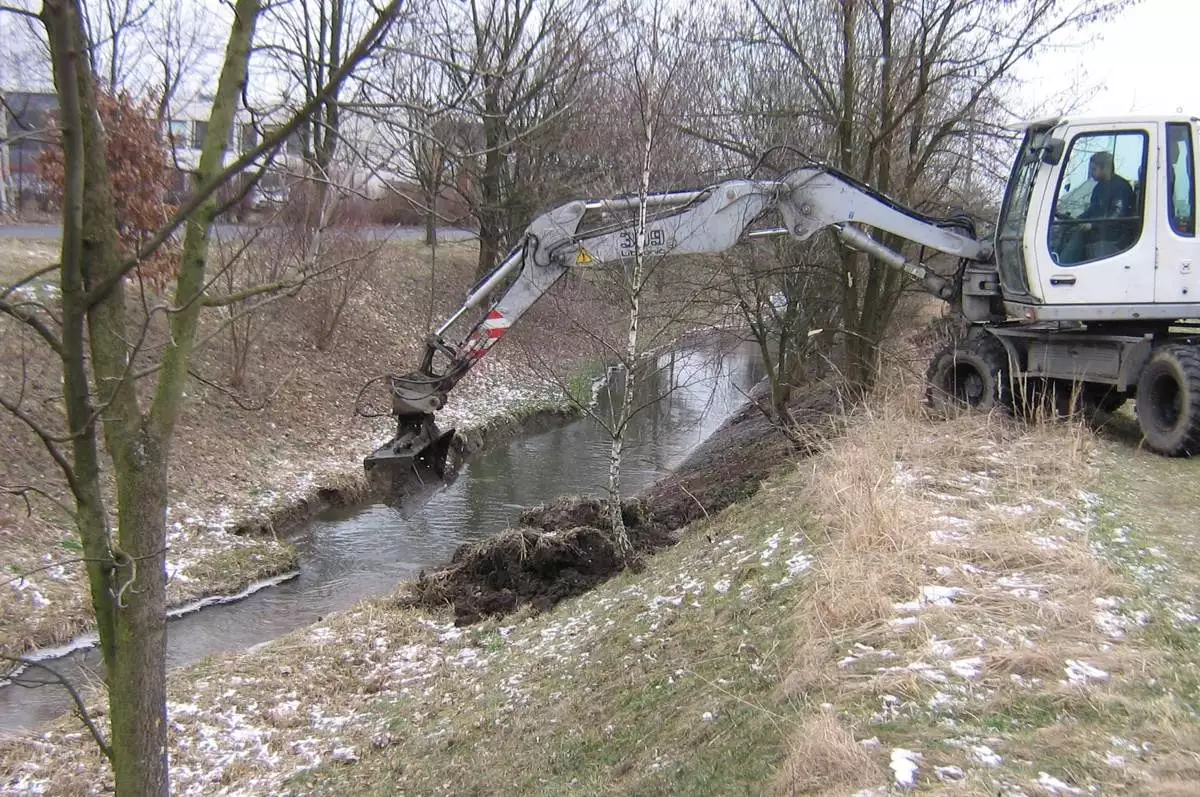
x=125, y=353
x=894, y=94
x=179, y=42
x=433, y=134
x=514, y=67
x=113, y=30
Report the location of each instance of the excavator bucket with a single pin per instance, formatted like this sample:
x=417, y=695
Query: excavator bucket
x=416, y=454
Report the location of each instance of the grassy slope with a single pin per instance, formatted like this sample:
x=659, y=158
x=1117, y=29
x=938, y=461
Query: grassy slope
x=1016, y=606
x=966, y=604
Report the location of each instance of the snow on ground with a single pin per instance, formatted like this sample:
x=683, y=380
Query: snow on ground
x=245, y=724
x=204, y=558
x=945, y=636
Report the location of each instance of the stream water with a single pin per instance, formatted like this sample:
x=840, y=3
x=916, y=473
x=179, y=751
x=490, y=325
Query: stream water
x=348, y=554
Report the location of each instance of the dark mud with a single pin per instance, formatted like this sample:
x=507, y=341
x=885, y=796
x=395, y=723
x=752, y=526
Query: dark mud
x=566, y=548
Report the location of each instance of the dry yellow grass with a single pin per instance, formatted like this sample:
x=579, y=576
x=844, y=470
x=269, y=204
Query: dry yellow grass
x=823, y=757
x=958, y=584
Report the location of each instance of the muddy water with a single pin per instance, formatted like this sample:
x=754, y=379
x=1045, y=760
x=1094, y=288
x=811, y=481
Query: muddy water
x=350, y=554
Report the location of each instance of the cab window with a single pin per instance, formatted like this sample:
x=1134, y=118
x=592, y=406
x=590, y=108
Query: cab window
x=1181, y=209
x=1098, y=205
x=1010, y=230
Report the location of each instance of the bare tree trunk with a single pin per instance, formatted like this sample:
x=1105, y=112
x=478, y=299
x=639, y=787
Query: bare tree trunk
x=491, y=192
x=5, y=169
x=634, y=284
x=128, y=574
x=431, y=217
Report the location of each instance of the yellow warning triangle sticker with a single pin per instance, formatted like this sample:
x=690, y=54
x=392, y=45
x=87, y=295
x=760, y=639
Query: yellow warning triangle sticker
x=584, y=257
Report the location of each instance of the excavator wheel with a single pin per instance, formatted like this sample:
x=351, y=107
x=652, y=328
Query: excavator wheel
x=970, y=374
x=1168, y=400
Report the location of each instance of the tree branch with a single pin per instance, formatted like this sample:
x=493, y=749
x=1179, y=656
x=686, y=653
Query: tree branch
x=81, y=710
x=48, y=440
x=268, y=147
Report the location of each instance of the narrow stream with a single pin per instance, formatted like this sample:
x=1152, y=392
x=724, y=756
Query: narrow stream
x=348, y=554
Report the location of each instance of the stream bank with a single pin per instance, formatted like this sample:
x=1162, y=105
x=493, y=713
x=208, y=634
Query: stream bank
x=350, y=553
x=565, y=548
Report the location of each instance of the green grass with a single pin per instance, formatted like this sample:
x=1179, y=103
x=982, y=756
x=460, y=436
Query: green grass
x=682, y=700
x=579, y=384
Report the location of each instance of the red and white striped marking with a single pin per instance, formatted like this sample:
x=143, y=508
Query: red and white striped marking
x=490, y=331
x=495, y=324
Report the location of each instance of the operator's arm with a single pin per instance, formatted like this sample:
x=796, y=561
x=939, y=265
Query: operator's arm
x=709, y=220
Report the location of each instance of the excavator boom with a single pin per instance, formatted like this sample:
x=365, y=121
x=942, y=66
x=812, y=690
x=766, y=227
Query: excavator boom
x=599, y=231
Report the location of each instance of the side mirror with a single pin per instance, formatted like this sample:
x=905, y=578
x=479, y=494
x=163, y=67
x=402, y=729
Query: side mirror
x=1052, y=151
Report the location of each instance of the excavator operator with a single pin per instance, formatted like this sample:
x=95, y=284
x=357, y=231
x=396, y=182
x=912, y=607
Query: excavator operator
x=1111, y=209
x=1108, y=226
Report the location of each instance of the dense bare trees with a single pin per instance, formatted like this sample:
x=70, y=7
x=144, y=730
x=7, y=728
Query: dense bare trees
x=908, y=97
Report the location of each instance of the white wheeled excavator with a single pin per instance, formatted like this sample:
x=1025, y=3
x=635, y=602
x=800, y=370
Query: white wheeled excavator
x=1087, y=286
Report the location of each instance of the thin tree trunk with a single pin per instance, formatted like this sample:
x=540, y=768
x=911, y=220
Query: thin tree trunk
x=430, y=217
x=634, y=281
x=491, y=187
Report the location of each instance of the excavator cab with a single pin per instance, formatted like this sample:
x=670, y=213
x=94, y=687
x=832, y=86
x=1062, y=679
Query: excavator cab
x=1098, y=222
x=1097, y=263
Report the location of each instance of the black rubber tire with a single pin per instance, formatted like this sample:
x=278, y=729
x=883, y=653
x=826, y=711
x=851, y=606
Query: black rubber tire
x=970, y=374
x=1168, y=400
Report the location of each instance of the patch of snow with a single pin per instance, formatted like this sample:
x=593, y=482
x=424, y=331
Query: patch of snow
x=1080, y=672
x=949, y=773
x=664, y=600
x=942, y=649
x=220, y=600
x=904, y=767
x=969, y=668
x=941, y=700
x=948, y=537
x=344, y=755
x=930, y=596
x=799, y=563
x=940, y=596
x=986, y=756
x=722, y=586
x=1056, y=786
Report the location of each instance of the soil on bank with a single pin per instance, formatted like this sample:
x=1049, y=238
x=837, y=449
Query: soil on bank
x=566, y=548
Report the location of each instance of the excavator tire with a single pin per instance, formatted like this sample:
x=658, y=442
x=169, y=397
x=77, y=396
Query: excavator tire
x=970, y=374
x=1168, y=400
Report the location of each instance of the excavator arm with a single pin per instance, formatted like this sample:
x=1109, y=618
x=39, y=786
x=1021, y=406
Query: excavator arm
x=599, y=231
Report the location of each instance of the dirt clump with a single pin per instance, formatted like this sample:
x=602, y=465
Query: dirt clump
x=565, y=548
x=559, y=550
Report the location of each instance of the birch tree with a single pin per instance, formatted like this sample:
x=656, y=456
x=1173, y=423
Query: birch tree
x=657, y=57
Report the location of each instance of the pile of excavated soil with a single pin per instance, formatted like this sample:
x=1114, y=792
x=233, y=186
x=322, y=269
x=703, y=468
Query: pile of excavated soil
x=566, y=548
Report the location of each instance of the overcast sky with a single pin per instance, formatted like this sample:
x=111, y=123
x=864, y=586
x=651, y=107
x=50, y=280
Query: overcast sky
x=1145, y=61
